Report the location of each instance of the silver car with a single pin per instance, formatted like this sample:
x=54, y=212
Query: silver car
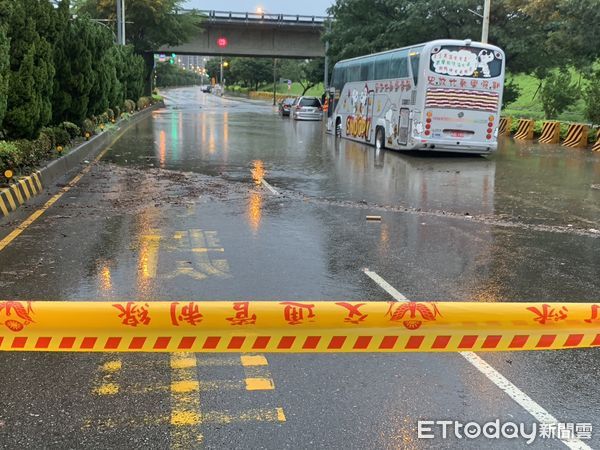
x=307, y=108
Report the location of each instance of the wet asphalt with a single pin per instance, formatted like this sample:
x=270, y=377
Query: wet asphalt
x=521, y=225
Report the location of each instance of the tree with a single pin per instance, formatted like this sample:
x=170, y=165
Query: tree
x=75, y=74
x=251, y=71
x=153, y=23
x=558, y=93
x=102, y=64
x=308, y=73
x=130, y=71
x=537, y=35
x=4, y=58
x=31, y=77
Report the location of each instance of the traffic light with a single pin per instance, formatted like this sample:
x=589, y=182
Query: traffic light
x=172, y=59
x=225, y=64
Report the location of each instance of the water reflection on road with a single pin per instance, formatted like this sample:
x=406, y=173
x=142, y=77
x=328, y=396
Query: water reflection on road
x=202, y=133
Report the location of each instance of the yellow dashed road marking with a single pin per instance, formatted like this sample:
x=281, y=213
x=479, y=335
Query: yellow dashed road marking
x=107, y=389
x=185, y=402
x=259, y=384
x=107, y=378
x=258, y=376
x=184, y=418
x=254, y=360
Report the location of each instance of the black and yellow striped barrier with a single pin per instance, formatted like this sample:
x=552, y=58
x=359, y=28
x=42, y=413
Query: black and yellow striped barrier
x=525, y=130
x=596, y=147
x=296, y=327
x=577, y=136
x=550, y=132
x=19, y=192
x=504, y=127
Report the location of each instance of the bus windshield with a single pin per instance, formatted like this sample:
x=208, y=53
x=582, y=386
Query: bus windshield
x=465, y=61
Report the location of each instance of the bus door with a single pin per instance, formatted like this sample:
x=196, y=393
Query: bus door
x=369, y=116
x=331, y=103
x=403, y=125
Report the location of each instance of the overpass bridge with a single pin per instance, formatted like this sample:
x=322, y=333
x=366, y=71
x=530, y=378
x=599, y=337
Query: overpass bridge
x=257, y=35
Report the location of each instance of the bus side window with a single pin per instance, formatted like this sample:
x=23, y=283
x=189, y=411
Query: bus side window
x=353, y=72
x=382, y=67
x=399, y=65
x=415, y=56
x=366, y=70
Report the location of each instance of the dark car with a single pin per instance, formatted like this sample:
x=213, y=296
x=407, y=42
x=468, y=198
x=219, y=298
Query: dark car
x=286, y=106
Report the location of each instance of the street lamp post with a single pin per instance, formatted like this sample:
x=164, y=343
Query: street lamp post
x=121, y=22
x=486, y=21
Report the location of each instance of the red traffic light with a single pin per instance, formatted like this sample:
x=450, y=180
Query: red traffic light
x=222, y=42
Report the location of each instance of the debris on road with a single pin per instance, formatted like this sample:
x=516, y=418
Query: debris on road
x=374, y=218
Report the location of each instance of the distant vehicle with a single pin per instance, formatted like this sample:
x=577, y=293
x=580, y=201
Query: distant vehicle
x=307, y=108
x=206, y=88
x=286, y=105
x=441, y=95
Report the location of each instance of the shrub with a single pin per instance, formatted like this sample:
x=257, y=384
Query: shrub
x=10, y=157
x=61, y=136
x=143, y=102
x=27, y=152
x=73, y=130
x=110, y=114
x=88, y=126
x=564, y=128
x=49, y=132
x=42, y=147
x=129, y=106
x=117, y=111
x=103, y=118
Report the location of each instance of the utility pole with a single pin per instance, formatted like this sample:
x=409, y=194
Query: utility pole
x=221, y=77
x=274, y=81
x=486, y=21
x=326, y=72
x=121, y=22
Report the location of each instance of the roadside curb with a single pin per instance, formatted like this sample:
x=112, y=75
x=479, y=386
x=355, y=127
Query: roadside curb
x=28, y=187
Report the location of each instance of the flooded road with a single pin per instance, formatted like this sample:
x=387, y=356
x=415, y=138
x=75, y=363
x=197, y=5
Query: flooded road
x=521, y=225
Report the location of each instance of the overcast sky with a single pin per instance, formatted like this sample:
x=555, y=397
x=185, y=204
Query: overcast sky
x=303, y=7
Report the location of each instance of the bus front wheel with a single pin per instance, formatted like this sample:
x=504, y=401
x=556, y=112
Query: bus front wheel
x=338, y=127
x=379, y=138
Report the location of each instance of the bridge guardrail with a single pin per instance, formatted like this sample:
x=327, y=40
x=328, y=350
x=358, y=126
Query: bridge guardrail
x=236, y=16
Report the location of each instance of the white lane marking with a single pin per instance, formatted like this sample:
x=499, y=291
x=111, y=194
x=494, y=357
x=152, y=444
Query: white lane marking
x=269, y=187
x=526, y=402
x=387, y=287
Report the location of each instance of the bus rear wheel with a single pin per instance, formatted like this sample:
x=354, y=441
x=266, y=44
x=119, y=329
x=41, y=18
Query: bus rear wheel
x=379, y=138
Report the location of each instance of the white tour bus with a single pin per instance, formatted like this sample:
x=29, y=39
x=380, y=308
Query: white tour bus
x=444, y=95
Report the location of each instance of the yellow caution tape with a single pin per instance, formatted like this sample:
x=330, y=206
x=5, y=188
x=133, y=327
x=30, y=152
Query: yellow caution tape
x=296, y=326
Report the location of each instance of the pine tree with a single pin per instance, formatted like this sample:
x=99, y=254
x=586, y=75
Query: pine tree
x=74, y=75
x=4, y=71
x=31, y=77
